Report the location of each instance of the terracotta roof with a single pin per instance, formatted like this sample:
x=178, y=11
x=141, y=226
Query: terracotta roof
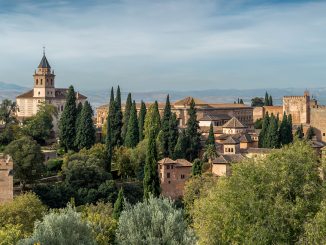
x=44, y=63
x=60, y=93
x=231, y=141
x=209, y=117
x=245, y=138
x=166, y=161
x=233, y=123
x=183, y=163
x=28, y=94
x=228, y=105
x=177, y=163
x=186, y=102
x=228, y=158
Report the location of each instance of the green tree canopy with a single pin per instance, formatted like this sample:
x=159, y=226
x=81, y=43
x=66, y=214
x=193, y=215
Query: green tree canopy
x=141, y=120
x=126, y=116
x=211, y=137
x=118, y=205
x=132, y=136
x=152, y=120
x=257, y=101
x=180, y=150
x=173, y=134
x=264, y=131
x=193, y=133
x=310, y=133
x=166, y=127
x=299, y=132
x=196, y=167
x=7, y=112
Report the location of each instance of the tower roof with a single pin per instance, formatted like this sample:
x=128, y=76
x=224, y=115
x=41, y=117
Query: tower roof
x=44, y=63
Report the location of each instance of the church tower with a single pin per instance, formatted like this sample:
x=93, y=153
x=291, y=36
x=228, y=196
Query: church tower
x=44, y=80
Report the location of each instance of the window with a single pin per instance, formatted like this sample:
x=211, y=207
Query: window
x=171, y=166
x=36, y=81
x=168, y=175
x=51, y=81
x=323, y=134
x=41, y=81
x=182, y=176
x=169, y=182
x=167, y=166
x=39, y=93
x=160, y=166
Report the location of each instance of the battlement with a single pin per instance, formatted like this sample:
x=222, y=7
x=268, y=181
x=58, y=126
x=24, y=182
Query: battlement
x=6, y=178
x=295, y=97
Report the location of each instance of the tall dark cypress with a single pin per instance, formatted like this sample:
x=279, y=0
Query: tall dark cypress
x=117, y=126
x=86, y=131
x=266, y=101
x=166, y=127
x=270, y=100
x=180, y=150
x=109, y=133
x=310, y=133
x=263, y=132
x=173, y=134
x=67, y=124
x=289, y=127
x=272, y=138
x=211, y=137
x=299, y=132
x=126, y=116
x=141, y=120
x=193, y=133
x=78, y=113
x=284, y=137
x=152, y=120
x=151, y=182
x=118, y=205
x=132, y=136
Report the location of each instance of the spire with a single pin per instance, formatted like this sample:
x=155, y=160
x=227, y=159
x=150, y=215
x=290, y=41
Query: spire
x=44, y=62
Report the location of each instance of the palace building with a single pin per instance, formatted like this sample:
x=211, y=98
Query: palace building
x=44, y=91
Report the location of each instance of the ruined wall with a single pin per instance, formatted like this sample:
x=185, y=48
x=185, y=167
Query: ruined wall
x=6, y=179
x=318, y=121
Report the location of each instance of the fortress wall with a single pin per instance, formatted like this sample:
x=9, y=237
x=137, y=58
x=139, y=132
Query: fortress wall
x=318, y=121
x=6, y=179
x=298, y=107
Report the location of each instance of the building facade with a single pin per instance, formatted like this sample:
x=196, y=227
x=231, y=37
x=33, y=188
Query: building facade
x=6, y=179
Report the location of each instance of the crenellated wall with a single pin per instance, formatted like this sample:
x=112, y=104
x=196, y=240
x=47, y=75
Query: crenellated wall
x=298, y=107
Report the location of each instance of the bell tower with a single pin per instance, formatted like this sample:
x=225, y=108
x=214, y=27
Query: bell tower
x=44, y=79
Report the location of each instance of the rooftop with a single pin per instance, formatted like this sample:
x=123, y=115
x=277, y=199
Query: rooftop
x=233, y=123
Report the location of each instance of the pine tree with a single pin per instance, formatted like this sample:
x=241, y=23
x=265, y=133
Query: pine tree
x=118, y=205
x=263, y=132
x=173, y=134
x=299, y=132
x=166, y=127
x=152, y=120
x=141, y=120
x=126, y=116
x=196, y=167
x=132, y=136
x=180, y=150
x=151, y=183
x=266, y=102
x=109, y=131
x=211, y=137
x=310, y=133
x=67, y=124
x=272, y=137
x=270, y=101
x=86, y=131
x=117, y=122
x=193, y=133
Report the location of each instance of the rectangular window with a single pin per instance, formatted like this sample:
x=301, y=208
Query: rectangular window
x=182, y=176
x=171, y=166
x=168, y=175
x=323, y=134
x=167, y=166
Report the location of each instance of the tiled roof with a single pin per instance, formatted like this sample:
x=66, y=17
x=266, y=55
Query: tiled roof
x=44, y=63
x=183, y=163
x=60, y=93
x=209, y=117
x=228, y=158
x=186, y=102
x=245, y=138
x=177, y=163
x=166, y=161
x=233, y=123
x=28, y=94
x=231, y=140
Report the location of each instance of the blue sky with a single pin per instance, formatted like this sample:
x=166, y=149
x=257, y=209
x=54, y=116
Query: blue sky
x=146, y=45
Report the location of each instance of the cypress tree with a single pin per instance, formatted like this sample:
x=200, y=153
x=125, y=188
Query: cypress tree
x=118, y=205
x=211, y=137
x=159, y=145
x=270, y=100
x=152, y=120
x=263, y=131
x=180, y=151
x=193, y=133
x=310, y=133
x=126, y=116
x=272, y=138
x=141, y=120
x=117, y=122
x=86, y=131
x=151, y=182
x=109, y=133
x=196, y=168
x=241, y=101
x=173, y=134
x=289, y=127
x=284, y=137
x=78, y=113
x=266, y=102
x=166, y=127
x=67, y=123
x=299, y=132
x=132, y=136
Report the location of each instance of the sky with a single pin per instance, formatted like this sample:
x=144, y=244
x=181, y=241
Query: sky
x=147, y=45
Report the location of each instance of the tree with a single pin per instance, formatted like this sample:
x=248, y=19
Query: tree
x=109, y=133
x=166, y=127
x=28, y=160
x=299, y=132
x=122, y=162
x=258, y=124
x=270, y=101
x=211, y=137
x=154, y=221
x=7, y=111
x=40, y=126
x=117, y=121
x=264, y=131
x=22, y=212
x=173, y=134
x=241, y=101
x=11, y=234
x=196, y=167
x=289, y=128
x=257, y=102
x=132, y=136
x=141, y=120
x=285, y=134
x=126, y=116
x=159, y=145
x=192, y=132
x=180, y=150
x=138, y=158
x=266, y=101
x=86, y=130
x=272, y=139
x=118, y=205
x=78, y=114
x=102, y=223
x=64, y=226
x=310, y=133
x=152, y=120
x=151, y=180
x=67, y=123
x=264, y=201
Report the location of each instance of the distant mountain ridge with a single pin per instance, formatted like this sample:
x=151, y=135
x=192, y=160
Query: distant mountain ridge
x=11, y=86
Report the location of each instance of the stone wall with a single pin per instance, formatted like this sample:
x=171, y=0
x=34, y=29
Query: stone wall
x=318, y=122
x=259, y=112
x=298, y=107
x=6, y=178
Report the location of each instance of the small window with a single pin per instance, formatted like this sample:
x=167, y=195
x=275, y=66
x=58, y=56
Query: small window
x=323, y=134
x=171, y=166
x=36, y=81
x=41, y=81
x=169, y=182
x=182, y=176
x=39, y=93
x=168, y=175
x=167, y=166
x=160, y=166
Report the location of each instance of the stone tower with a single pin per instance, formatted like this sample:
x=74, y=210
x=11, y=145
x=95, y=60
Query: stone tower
x=44, y=80
x=6, y=178
x=298, y=107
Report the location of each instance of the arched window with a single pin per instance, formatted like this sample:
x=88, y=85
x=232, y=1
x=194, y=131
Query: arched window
x=36, y=81
x=39, y=92
x=41, y=81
